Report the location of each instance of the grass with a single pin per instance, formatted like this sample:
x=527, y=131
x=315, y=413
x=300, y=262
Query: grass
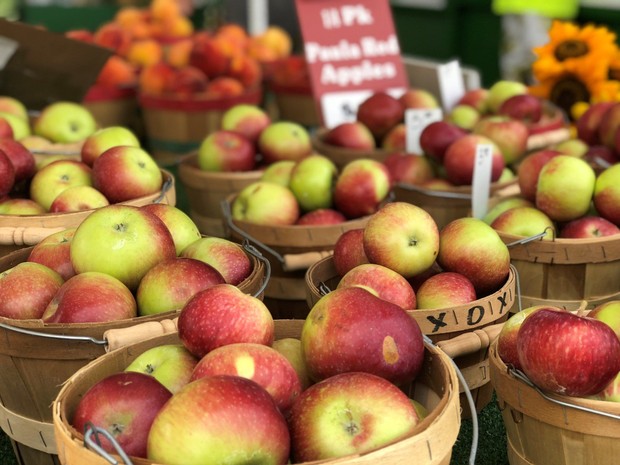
x=491, y=441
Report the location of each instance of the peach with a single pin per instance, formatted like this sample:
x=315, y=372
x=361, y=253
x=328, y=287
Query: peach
x=234, y=34
x=113, y=36
x=224, y=87
x=145, y=52
x=154, y=78
x=83, y=35
x=177, y=27
x=117, y=72
x=161, y=9
x=128, y=16
x=177, y=53
x=186, y=83
x=246, y=69
x=277, y=39
x=209, y=56
x=260, y=51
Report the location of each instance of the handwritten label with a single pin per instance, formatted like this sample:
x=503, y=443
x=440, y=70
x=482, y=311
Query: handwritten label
x=481, y=182
x=415, y=122
x=352, y=51
x=451, y=83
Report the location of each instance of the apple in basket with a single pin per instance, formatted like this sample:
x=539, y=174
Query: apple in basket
x=525, y=221
x=64, y=121
x=460, y=156
x=312, y=182
x=505, y=204
x=383, y=282
x=26, y=289
x=347, y=414
x=21, y=158
x=501, y=91
x=78, y=198
x=226, y=151
x=362, y=185
x=588, y=226
x=445, y=289
x=105, y=138
x=278, y=172
x=125, y=405
x=565, y=353
x=351, y=329
x=509, y=134
x=437, y=136
x=170, y=364
x=245, y=119
x=123, y=241
x=380, y=112
x=265, y=203
x=224, y=255
x=124, y=173
x=215, y=418
x=351, y=135
x=284, y=140
x=409, y=168
x=258, y=362
x=607, y=194
x=54, y=252
x=402, y=237
x=223, y=314
x=7, y=174
x=182, y=227
x=608, y=312
x=290, y=347
x=169, y=284
x=349, y=251
x=588, y=123
x=321, y=216
x=19, y=206
x=52, y=179
x=523, y=107
x=528, y=171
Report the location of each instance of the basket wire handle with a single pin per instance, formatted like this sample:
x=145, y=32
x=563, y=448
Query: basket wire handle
x=470, y=402
x=523, y=377
x=92, y=441
x=254, y=251
x=53, y=336
x=164, y=190
x=535, y=237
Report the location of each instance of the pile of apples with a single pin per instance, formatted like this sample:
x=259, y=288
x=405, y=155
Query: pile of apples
x=160, y=53
x=562, y=195
x=121, y=262
x=229, y=392
x=403, y=256
x=566, y=353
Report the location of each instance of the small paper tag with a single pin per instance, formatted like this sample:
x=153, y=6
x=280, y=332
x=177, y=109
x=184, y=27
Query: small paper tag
x=451, y=83
x=416, y=119
x=481, y=182
x=7, y=49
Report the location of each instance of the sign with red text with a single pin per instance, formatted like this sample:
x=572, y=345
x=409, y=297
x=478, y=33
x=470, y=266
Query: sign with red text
x=352, y=51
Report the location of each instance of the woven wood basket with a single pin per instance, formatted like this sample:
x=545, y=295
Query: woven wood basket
x=430, y=444
x=114, y=107
x=36, y=358
x=543, y=432
x=18, y=231
x=442, y=324
x=206, y=190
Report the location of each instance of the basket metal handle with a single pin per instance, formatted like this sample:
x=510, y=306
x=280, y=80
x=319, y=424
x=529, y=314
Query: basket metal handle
x=92, y=441
x=167, y=184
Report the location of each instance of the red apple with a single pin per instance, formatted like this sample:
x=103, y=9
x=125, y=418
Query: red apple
x=364, y=411
x=245, y=119
x=475, y=98
x=380, y=112
x=361, y=187
x=525, y=221
x=409, y=168
x=168, y=285
x=523, y=107
x=78, y=198
x=587, y=227
x=349, y=251
x=125, y=405
x=321, y=216
x=395, y=139
x=473, y=248
x=284, y=140
x=53, y=251
x=588, y=123
x=218, y=417
x=260, y=363
x=227, y=257
x=91, y=297
x=352, y=135
x=220, y=315
x=509, y=134
x=568, y=354
x=6, y=129
x=226, y=151
x=380, y=337
x=7, y=174
x=26, y=289
x=460, y=157
x=436, y=137
x=529, y=170
x=22, y=159
x=105, y=138
x=382, y=282
x=607, y=194
x=609, y=124
x=445, y=289
x=418, y=98
x=124, y=173
x=181, y=226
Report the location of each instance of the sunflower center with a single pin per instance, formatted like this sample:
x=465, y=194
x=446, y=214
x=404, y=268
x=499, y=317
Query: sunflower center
x=567, y=91
x=570, y=49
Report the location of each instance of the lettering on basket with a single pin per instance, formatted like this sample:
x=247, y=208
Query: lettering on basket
x=475, y=314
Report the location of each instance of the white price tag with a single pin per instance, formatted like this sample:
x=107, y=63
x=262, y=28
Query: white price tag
x=7, y=48
x=341, y=107
x=451, y=83
x=481, y=182
x=416, y=119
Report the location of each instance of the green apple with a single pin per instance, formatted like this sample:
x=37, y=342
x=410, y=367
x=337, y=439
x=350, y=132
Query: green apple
x=13, y=106
x=78, y=198
x=503, y=205
x=284, y=140
x=105, y=138
x=608, y=312
x=183, y=229
x=525, y=221
x=464, y=116
x=64, y=121
x=279, y=172
x=54, y=178
x=607, y=194
x=574, y=147
x=565, y=188
x=123, y=241
x=19, y=206
x=502, y=90
x=312, y=182
x=170, y=364
x=245, y=119
x=507, y=175
x=290, y=347
x=403, y=237
x=20, y=126
x=266, y=203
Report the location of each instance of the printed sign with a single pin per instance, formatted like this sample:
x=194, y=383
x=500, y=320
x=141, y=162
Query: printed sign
x=352, y=51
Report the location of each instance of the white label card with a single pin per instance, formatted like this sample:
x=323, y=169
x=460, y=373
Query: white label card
x=416, y=119
x=451, y=83
x=7, y=48
x=481, y=182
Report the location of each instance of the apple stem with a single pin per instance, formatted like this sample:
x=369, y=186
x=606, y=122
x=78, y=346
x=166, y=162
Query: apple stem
x=120, y=227
x=150, y=369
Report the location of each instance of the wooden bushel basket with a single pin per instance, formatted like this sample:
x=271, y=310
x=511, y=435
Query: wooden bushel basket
x=543, y=432
x=442, y=324
x=36, y=358
x=296, y=104
x=113, y=107
x=176, y=127
x=565, y=272
x=430, y=444
x=207, y=189
x=290, y=250
x=18, y=231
